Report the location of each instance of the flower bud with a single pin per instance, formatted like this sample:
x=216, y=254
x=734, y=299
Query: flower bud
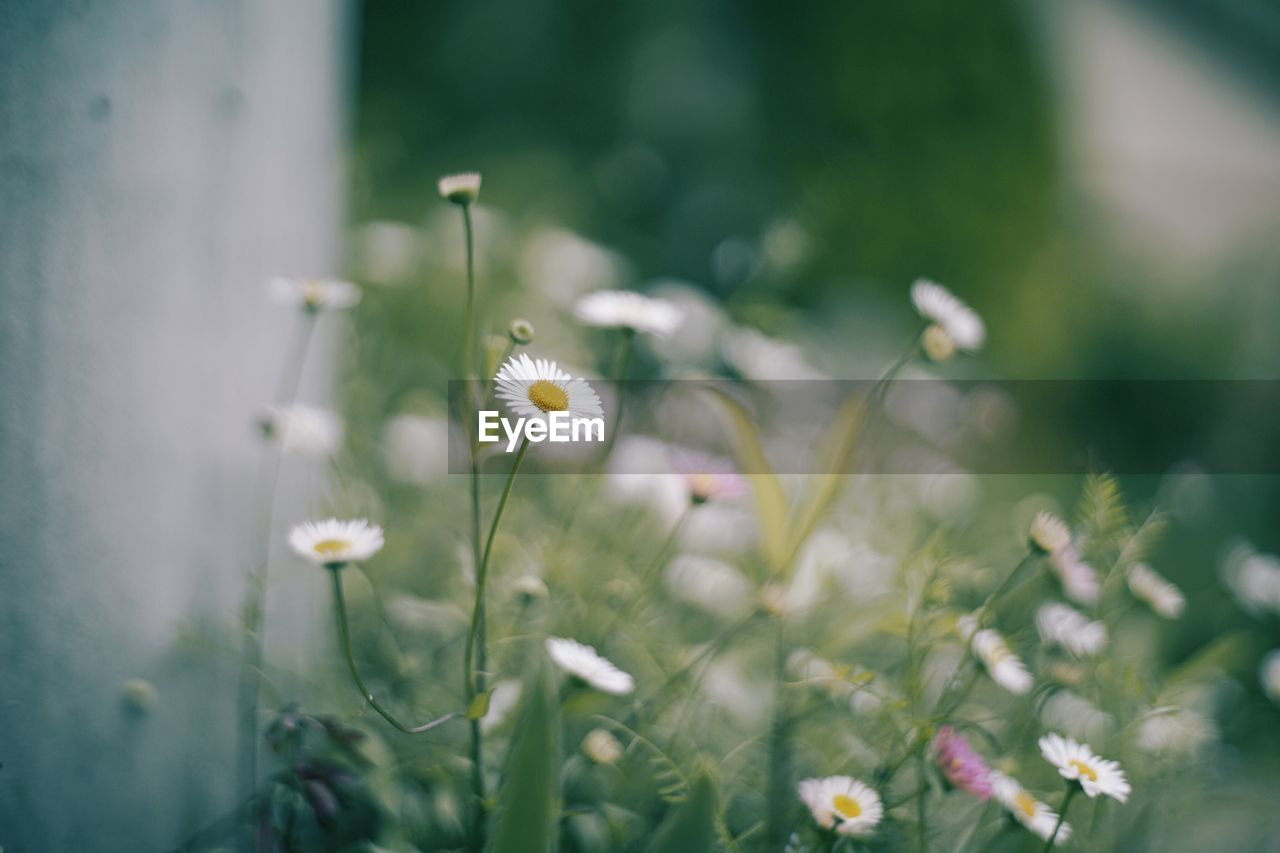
x=139, y=695
x=521, y=332
x=602, y=747
x=1049, y=534
x=460, y=189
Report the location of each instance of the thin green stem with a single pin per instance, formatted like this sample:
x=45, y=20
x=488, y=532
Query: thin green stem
x=468, y=357
x=256, y=583
x=344, y=637
x=922, y=815
x=1072, y=787
x=475, y=653
x=779, y=794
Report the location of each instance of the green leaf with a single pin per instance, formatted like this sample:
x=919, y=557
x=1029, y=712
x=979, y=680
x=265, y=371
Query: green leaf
x=691, y=826
x=771, y=503
x=526, y=816
x=834, y=454
x=479, y=705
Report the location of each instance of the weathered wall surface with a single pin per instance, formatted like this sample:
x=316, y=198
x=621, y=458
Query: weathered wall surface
x=157, y=161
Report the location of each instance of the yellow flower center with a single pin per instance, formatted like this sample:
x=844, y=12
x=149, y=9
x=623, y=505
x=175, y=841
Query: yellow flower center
x=1025, y=803
x=548, y=396
x=312, y=292
x=847, y=807
x=329, y=547
x=1085, y=771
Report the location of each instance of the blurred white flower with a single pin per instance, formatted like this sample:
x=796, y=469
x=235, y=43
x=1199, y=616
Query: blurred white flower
x=1254, y=578
x=708, y=477
x=1004, y=667
x=563, y=265
x=1075, y=761
x=530, y=588
x=1026, y=809
x=807, y=666
x=533, y=388
x=626, y=309
x=415, y=448
x=1076, y=716
x=1067, y=627
x=334, y=542
x=463, y=188
x=1172, y=730
x=715, y=586
x=1269, y=675
x=313, y=294
x=761, y=358
x=502, y=701
x=1079, y=579
x=303, y=429
x=602, y=747
x=1049, y=533
x=843, y=803
x=582, y=661
x=956, y=324
x=1162, y=596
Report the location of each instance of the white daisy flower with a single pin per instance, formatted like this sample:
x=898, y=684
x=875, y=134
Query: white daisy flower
x=303, y=429
x=463, y=188
x=844, y=804
x=1004, y=667
x=1079, y=579
x=1269, y=675
x=1075, y=761
x=313, y=294
x=1026, y=809
x=334, y=542
x=585, y=663
x=957, y=325
x=1049, y=533
x=533, y=388
x=1254, y=577
x=1062, y=625
x=1163, y=597
x=626, y=309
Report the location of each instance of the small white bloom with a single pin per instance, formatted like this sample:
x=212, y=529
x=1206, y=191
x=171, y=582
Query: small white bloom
x=530, y=588
x=335, y=542
x=463, y=188
x=535, y=388
x=313, y=294
x=1079, y=579
x=626, y=309
x=302, y=429
x=1076, y=761
x=958, y=321
x=761, y=358
x=1067, y=627
x=585, y=663
x=1169, y=730
x=1269, y=675
x=602, y=747
x=1160, y=595
x=706, y=582
x=1049, y=533
x=843, y=803
x=1004, y=667
x=1026, y=809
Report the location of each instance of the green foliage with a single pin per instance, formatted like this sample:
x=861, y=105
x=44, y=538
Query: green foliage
x=526, y=818
x=691, y=826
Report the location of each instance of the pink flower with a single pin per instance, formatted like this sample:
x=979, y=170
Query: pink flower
x=708, y=477
x=964, y=768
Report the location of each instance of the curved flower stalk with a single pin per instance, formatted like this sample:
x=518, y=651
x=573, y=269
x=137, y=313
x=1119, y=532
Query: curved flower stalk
x=297, y=430
x=334, y=545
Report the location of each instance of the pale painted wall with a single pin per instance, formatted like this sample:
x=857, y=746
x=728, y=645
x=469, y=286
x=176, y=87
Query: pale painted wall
x=157, y=161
